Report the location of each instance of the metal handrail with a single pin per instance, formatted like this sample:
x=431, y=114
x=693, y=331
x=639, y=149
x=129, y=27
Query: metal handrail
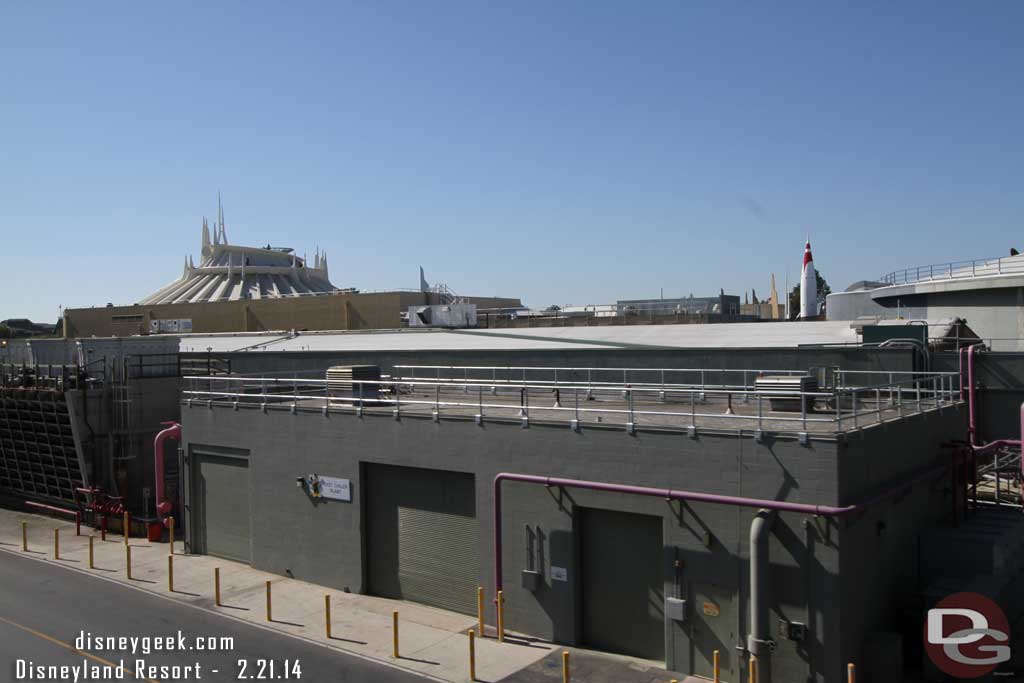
x=953, y=270
x=845, y=405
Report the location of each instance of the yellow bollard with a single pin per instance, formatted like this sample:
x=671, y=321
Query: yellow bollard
x=24, y=536
x=56, y=544
x=501, y=616
x=480, y=611
x=170, y=573
x=127, y=526
x=216, y=586
x=851, y=673
x=327, y=615
x=753, y=668
x=716, y=667
x=128, y=561
x=472, y=655
x=565, y=667
x=394, y=634
x=170, y=535
x=270, y=616
x=91, y=564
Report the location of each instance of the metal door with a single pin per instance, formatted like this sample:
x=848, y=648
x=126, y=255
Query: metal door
x=421, y=536
x=623, y=594
x=713, y=627
x=220, y=506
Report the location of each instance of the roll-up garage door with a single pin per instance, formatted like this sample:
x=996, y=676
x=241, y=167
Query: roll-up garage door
x=421, y=536
x=220, y=506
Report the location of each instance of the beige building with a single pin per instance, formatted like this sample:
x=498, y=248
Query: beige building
x=772, y=309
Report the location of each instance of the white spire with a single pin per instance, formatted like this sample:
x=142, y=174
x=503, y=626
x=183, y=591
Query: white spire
x=206, y=236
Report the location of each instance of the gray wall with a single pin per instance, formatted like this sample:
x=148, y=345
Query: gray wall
x=322, y=543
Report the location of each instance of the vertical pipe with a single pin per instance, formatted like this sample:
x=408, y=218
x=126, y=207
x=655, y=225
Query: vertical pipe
x=716, y=667
x=126, y=526
x=566, y=677
x=56, y=543
x=270, y=614
x=480, y=611
x=394, y=634
x=851, y=673
x=170, y=573
x=216, y=586
x=472, y=655
x=91, y=563
x=327, y=615
x=128, y=562
x=759, y=641
x=24, y=536
x=170, y=535
x=753, y=669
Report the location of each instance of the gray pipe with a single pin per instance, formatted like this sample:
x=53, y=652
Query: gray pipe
x=759, y=642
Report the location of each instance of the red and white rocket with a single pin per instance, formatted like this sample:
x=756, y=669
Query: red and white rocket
x=808, y=285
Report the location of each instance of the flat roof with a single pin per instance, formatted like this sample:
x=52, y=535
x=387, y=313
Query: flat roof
x=707, y=336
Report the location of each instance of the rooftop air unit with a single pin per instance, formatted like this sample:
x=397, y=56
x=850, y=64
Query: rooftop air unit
x=785, y=392
x=353, y=383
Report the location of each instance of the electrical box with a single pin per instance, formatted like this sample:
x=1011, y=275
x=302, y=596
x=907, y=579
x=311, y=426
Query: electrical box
x=531, y=580
x=675, y=609
x=792, y=630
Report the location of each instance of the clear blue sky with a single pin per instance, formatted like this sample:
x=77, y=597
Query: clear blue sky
x=565, y=152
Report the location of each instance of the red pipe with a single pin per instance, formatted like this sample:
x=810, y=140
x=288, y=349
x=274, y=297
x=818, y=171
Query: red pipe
x=172, y=431
x=64, y=511
x=670, y=494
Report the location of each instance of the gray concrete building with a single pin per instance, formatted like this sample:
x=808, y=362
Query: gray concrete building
x=663, y=567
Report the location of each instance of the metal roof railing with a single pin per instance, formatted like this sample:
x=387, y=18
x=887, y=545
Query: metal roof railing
x=955, y=270
x=844, y=407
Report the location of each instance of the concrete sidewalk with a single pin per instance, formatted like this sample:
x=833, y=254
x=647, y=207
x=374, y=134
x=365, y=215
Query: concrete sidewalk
x=432, y=642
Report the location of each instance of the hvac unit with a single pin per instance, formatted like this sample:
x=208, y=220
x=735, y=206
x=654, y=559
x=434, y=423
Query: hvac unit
x=352, y=383
x=783, y=392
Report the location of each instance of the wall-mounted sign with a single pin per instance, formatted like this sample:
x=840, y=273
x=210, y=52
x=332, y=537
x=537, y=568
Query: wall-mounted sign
x=559, y=573
x=336, y=489
x=710, y=609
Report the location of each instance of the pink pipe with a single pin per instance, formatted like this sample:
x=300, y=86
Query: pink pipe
x=670, y=494
x=172, y=431
x=972, y=426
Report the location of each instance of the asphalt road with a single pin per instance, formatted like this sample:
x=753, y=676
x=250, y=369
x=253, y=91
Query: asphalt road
x=45, y=608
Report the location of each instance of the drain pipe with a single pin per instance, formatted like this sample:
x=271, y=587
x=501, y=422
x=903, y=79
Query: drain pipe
x=759, y=641
x=172, y=431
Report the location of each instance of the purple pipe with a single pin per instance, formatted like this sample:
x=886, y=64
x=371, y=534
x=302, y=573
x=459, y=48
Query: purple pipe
x=670, y=494
x=972, y=425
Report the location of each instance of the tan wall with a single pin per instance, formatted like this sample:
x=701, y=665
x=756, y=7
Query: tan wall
x=328, y=312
